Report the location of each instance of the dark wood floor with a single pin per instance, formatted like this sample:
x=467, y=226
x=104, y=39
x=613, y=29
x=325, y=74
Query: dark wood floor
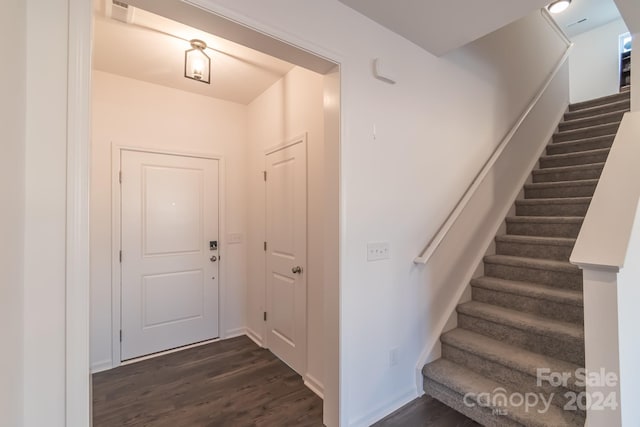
x=426, y=412
x=228, y=383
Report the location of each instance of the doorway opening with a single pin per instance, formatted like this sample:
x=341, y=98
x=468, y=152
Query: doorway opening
x=257, y=100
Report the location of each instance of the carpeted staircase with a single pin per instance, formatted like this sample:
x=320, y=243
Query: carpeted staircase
x=526, y=311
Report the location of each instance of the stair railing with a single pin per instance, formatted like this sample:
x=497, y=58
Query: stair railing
x=438, y=237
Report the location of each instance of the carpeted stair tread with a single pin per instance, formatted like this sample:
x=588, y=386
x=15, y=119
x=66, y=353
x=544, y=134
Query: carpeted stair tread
x=561, y=206
x=508, y=355
x=554, y=201
x=561, y=184
x=568, y=173
x=530, y=323
x=592, y=120
x=533, y=290
x=534, y=263
x=604, y=100
x=532, y=246
x=547, y=219
x=536, y=240
x=575, y=158
x=548, y=226
x=623, y=105
x=581, y=145
x=463, y=381
x=576, y=134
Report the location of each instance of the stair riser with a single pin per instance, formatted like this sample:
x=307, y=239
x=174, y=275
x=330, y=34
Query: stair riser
x=543, y=229
x=521, y=381
x=623, y=96
x=551, y=309
x=454, y=400
x=541, y=209
x=586, y=145
x=554, y=162
x=573, y=175
x=586, y=133
x=591, y=121
x=558, y=279
x=529, y=250
x=622, y=107
x=560, y=192
x=570, y=350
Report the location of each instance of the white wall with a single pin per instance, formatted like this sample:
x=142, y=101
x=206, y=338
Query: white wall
x=628, y=319
x=134, y=113
x=45, y=213
x=12, y=188
x=434, y=130
x=595, y=62
x=289, y=108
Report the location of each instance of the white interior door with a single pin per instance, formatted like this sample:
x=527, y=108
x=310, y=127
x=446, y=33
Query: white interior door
x=169, y=208
x=286, y=220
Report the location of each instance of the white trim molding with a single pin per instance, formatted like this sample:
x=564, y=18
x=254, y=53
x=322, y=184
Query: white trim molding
x=116, y=225
x=77, y=369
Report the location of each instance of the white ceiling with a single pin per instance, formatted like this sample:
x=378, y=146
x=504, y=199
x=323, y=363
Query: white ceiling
x=442, y=26
x=596, y=13
x=152, y=49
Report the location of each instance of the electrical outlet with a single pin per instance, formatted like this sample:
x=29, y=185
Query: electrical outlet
x=378, y=251
x=393, y=356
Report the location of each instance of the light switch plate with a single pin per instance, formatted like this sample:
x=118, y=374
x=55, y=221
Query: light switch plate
x=378, y=251
x=235, y=238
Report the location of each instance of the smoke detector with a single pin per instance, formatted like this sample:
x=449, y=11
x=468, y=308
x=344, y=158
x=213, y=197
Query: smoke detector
x=119, y=11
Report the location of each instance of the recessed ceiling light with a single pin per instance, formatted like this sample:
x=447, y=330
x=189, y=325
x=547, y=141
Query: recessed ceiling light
x=559, y=6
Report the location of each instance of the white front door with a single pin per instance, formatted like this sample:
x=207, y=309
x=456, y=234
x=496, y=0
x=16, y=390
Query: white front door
x=286, y=219
x=169, y=208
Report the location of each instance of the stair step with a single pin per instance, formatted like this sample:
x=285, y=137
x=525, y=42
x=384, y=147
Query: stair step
x=568, y=173
x=545, y=301
x=561, y=340
x=560, y=274
x=567, y=206
x=555, y=226
x=623, y=105
x=604, y=100
x=460, y=388
x=590, y=132
x=581, y=145
x=554, y=248
x=571, y=159
x=548, y=190
x=509, y=365
x=594, y=120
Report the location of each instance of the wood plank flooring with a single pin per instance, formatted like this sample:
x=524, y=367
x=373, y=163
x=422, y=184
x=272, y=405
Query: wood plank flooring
x=426, y=412
x=228, y=383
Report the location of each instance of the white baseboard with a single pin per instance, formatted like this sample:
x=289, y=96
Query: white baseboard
x=233, y=333
x=384, y=410
x=103, y=365
x=314, y=385
x=254, y=336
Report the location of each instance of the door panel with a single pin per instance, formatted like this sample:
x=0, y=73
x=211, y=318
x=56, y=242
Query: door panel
x=169, y=284
x=286, y=250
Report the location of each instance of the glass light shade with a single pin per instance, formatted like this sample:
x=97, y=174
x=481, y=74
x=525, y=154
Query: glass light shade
x=197, y=65
x=559, y=6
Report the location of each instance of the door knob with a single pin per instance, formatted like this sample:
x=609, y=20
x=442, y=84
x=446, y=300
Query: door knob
x=213, y=258
x=296, y=270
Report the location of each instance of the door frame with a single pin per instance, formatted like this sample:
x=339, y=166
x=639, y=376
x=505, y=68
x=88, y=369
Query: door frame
x=116, y=228
x=300, y=139
x=77, y=394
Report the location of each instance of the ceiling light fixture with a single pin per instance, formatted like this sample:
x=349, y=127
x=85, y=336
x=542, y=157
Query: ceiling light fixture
x=559, y=6
x=197, y=65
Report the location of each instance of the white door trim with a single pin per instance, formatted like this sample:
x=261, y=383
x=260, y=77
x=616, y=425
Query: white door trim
x=77, y=359
x=301, y=139
x=116, y=226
